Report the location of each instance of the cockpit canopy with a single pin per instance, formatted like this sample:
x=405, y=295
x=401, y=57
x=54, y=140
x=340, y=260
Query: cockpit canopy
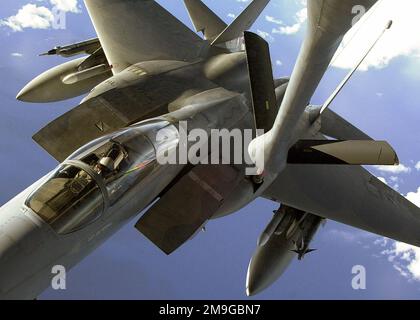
x=70, y=198
x=98, y=175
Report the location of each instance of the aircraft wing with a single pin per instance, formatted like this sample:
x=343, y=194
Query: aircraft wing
x=133, y=31
x=350, y=195
x=116, y=109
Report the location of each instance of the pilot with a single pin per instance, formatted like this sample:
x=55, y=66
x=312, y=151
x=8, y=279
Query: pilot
x=111, y=161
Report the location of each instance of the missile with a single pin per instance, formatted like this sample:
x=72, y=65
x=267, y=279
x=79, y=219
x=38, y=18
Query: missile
x=277, y=246
x=50, y=85
x=84, y=47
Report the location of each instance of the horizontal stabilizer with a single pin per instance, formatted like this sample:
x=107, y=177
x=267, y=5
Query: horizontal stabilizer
x=243, y=22
x=204, y=20
x=352, y=152
x=261, y=81
x=187, y=206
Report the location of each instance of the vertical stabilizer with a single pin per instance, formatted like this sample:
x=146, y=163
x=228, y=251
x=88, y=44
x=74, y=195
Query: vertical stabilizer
x=261, y=81
x=204, y=20
x=243, y=22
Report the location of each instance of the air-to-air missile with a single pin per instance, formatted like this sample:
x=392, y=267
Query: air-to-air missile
x=289, y=233
x=86, y=47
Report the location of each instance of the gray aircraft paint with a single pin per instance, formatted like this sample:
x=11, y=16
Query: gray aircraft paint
x=25, y=237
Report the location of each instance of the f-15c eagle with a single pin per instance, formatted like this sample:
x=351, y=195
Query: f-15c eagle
x=152, y=84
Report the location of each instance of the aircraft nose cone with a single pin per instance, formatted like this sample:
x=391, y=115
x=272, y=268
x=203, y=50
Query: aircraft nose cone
x=269, y=262
x=19, y=241
x=257, y=277
x=28, y=94
x=253, y=286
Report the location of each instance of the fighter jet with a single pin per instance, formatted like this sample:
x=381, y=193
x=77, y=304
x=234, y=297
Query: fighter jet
x=152, y=84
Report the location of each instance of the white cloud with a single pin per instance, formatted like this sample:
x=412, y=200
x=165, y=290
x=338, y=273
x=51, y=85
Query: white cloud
x=39, y=17
x=273, y=20
x=414, y=197
x=405, y=258
x=300, y=17
x=400, y=40
x=279, y=63
x=356, y=236
x=17, y=55
x=394, y=169
x=394, y=178
x=30, y=16
x=410, y=254
x=66, y=5
x=383, y=242
x=231, y=15
x=417, y=166
x=267, y=36
x=345, y=235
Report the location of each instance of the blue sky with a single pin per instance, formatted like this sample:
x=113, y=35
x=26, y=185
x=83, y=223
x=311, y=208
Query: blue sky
x=382, y=101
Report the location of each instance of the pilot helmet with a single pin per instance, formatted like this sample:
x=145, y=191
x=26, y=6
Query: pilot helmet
x=107, y=162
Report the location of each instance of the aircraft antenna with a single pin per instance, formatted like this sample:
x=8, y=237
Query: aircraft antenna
x=350, y=74
x=359, y=28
